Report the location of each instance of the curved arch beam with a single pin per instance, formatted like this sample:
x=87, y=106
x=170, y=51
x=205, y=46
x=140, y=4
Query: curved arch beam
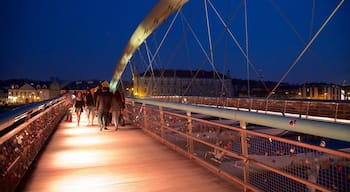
x=160, y=12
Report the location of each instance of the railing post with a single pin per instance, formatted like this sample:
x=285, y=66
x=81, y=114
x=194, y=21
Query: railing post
x=266, y=105
x=336, y=112
x=161, y=116
x=307, y=110
x=238, y=103
x=189, y=128
x=133, y=111
x=145, y=120
x=244, y=146
x=251, y=104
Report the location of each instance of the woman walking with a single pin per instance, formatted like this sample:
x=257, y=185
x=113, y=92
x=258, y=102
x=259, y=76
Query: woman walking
x=79, y=105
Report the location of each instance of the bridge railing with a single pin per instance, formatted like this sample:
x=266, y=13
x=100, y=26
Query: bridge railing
x=259, y=161
x=24, y=133
x=336, y=111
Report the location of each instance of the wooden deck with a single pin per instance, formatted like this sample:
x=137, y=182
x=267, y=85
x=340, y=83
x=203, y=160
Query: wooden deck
x=85, y=159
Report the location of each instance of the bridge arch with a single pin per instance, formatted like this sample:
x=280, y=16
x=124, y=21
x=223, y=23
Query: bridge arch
x=160, y=12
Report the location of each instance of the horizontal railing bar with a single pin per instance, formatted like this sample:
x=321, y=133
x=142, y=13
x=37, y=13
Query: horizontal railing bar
x=9, y=118
x=324, y=129
x=275, y=138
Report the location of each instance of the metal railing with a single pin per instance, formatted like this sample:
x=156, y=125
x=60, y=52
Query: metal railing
x=337, y=111
x=257, y=160
x=10, y=119
x=25, y=132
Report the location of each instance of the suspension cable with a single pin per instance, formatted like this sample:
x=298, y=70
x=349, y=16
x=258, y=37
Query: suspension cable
x=201, y=46
x=225, y=50
x=184, y=32
x=142, y=58
x=131, y=69
x=206, y=57
x=209, y=34
x=300, y=38
x=162, y=41
x=149, y=56
x=215, y=44
x=246, y=44
x=236, y=42
x=306, y=47
x=307, y=60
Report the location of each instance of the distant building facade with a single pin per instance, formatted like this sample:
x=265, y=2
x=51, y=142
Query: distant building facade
x=173, y=83
x=321, y=91
x=345, y=91
x=3, y=96
x=83, y=86
x=181, y=82
x=23, y=92
x=28, y=93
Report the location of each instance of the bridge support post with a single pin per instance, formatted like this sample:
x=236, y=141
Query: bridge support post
x=250, y=105
x=266, y=105
x=161, y=116
x=285, y=107
x=244, y=145
x=336, y=112
x=307, y=110
x=189, y=132
x=145, y=120
x=133, y=112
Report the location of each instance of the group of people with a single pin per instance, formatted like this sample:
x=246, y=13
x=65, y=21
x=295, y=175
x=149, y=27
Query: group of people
x=107, y=105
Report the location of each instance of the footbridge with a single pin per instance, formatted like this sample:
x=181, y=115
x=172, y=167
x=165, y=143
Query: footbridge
x=180, y=143
x=172, y=146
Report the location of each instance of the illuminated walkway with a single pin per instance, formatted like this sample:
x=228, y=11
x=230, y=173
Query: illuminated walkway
x=85, y=159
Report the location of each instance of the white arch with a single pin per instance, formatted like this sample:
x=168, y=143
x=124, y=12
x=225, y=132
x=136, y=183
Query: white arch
x=161, y=11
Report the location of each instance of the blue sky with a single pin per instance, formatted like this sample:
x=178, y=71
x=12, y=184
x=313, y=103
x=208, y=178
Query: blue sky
x=83, y=39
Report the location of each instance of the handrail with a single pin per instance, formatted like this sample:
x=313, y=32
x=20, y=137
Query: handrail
x=9, y=118
x=26, y=131
x=325, y=110
x=324, y=129
x=255, y=159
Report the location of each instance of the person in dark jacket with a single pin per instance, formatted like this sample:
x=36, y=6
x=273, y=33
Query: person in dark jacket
x=103, y=104
x=116, y=106
x=90, y=106
x=79, y=105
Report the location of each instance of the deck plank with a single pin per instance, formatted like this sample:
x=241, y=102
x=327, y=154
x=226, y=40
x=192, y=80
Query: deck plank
x=85, y=159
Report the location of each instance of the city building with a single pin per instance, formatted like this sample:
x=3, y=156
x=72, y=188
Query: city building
x=23, y=93
x=83, y=86
x=322, y=91
x=181, y=82
x=3, y=96
x=173, y=83
x=16, y=92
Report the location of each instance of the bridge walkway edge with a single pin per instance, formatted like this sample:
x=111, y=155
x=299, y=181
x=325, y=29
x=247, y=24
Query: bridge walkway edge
x=81, y=158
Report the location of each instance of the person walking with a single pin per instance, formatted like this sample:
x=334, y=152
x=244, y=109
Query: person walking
x=116, y=106
x=103, y=104
x=90, y=106
x=79, y=105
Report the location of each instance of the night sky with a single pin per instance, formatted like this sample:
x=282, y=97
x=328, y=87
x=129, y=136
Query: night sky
x=84, y=39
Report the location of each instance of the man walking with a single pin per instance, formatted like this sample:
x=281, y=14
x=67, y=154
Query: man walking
x=103, y=104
